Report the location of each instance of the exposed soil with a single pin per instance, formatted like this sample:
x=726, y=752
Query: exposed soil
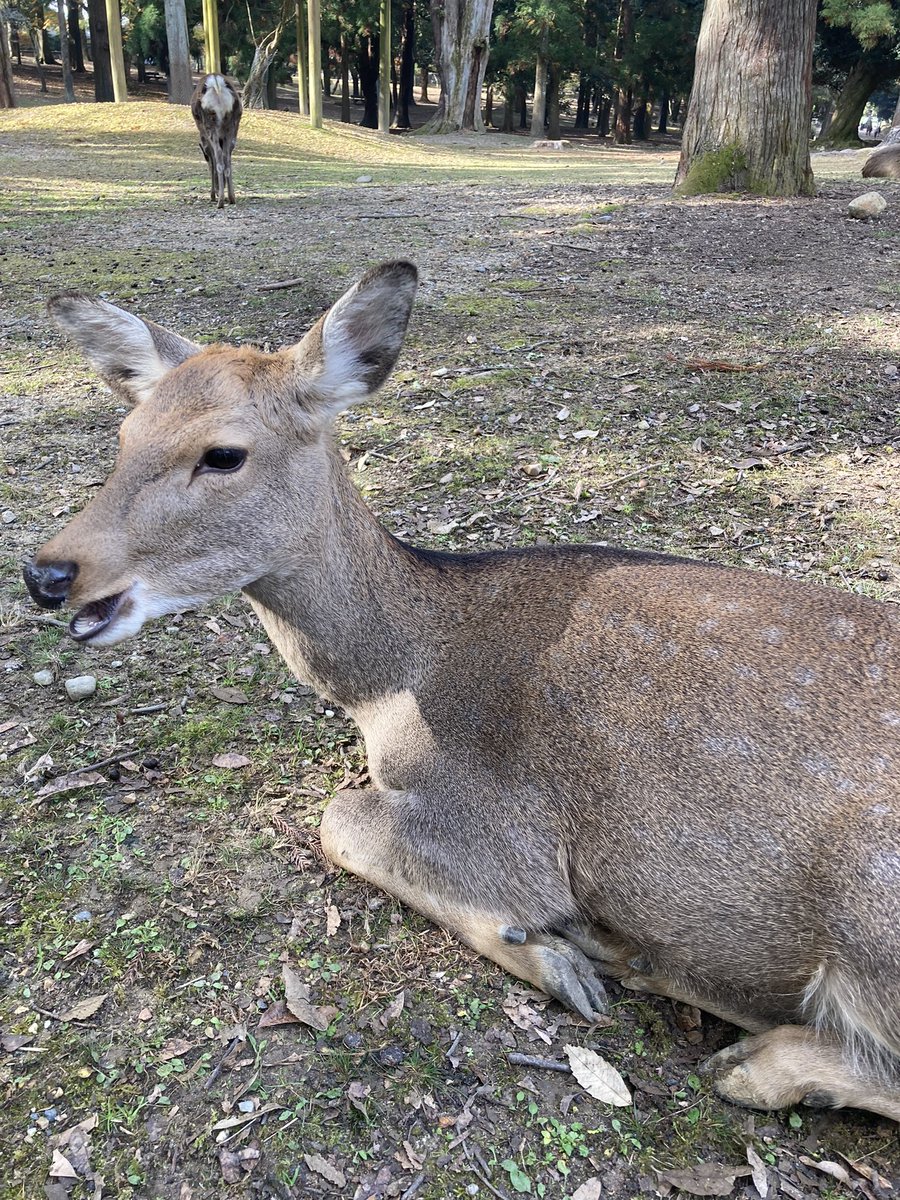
x=566, y=378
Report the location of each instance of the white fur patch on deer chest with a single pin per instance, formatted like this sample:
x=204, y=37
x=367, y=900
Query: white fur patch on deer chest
x=217, y=99
x=397, y=736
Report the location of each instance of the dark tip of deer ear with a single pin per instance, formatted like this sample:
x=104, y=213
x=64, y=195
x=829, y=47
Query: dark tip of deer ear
x=399, y=269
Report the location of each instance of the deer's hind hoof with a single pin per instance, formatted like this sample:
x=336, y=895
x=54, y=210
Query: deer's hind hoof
x=569, y=976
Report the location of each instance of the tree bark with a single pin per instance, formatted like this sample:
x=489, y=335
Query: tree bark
x=213, y=53
x=423, y=86
x=46, y=52
x=7, y=91
x=553, y=90
x=256, y=89
x=314, y=39
x=116, y=51
x=583, y=104
x=181, y=85
x=368, y=80
x=622, y=127
x=64, y=54
x=747, y=126
x=75, y=37
x=302, y=76
x=384, y=67
x=663, y=126
x=407, y=65
x=345, y=79
x=865, y=76
x=103, y=81
x=640, y=124
x=539, y=98
x=624, y=93
x=603, y=116
x=461, y=33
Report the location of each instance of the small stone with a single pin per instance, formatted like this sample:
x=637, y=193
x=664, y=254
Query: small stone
x=8, y=516
x=867, y=206
x=247, y=1106
x=83, y=915
x=81, y=687
x=352, y=1041
x=364, y=179
x=43, y=678
x=391, y=1056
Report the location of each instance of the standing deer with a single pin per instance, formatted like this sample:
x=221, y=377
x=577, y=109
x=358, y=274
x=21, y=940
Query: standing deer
x=217, y=108
x=585, y=761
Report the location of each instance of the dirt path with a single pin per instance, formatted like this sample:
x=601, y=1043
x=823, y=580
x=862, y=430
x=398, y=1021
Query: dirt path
x=564, y=380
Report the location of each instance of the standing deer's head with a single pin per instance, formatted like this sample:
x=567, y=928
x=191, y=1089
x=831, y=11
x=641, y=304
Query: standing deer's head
x=222, y=474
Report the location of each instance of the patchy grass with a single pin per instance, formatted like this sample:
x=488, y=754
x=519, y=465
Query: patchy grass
x=553, y=389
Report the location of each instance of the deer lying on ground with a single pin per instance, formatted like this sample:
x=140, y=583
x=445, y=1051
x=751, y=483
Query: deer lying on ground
x=584, y=761
x=883, y=163
x=217, y=108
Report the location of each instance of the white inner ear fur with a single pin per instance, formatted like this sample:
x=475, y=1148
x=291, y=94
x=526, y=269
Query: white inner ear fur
x=117, y=342
x=342, y=376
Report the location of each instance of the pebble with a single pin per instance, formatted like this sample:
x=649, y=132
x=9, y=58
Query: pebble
x=81, y=687
x=247, y=1106
x=352, y=1041
x=43, y=678
x=83, y=915
x=391, y=1056
x=8, y=516
x=364, y=179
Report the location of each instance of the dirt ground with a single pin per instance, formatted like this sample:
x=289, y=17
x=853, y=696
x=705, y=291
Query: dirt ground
x=590, y=360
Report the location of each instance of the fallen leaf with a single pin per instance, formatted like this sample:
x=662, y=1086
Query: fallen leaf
x=231, y=762
x=296, y=997
x=747, y=464
x=175, y=1048
x=70, y=783
x=357, y=1094
x=383, y=1019
x=83, y=1009
x=835, y=1170
x=869, y=1173
x=82, y=948
x=11, y=1042
x=277, y=1014
x=706, y=1179
x=235, y=1164
x=84, y=1126
x=589, y=1190
x=230, y=695
x=61, y=1168
x=322, y=1167
x=599, y=1078
x=580, y=434
x=244, y=1118
x=332, y=920
x=760, y=1174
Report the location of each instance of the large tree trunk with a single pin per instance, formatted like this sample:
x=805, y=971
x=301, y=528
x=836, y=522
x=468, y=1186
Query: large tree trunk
x=256, y=89
x=181, y=85
x=368, y=81
x=864, y=78
x=407, y=65
x=539, y=99
x=747, y=126
x=75, y=37
x=7, y=92
x=553, y=90
x=461, y=32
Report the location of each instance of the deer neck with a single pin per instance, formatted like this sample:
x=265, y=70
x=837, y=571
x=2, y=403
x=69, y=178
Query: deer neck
x=344, y=610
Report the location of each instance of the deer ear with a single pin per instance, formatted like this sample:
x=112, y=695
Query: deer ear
x=350, y=352
x=131, y=354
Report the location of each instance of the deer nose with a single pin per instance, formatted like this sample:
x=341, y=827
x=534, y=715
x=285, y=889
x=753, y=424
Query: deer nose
x=49, y=584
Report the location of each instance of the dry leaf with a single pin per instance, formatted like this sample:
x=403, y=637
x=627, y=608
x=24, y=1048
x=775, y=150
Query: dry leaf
x=760, y=1174
x=230, y=695
x=277, y=1014
x=390, y=1013
x=175, y=1048
x=589, y=1190
x=236, y=1163
x=296, y=997
x=322, y=1167
x=244, y=1118
x=868, y=1172
x=82, y=948
x=332, y=920
x=231, y=762
x=835, y=1170
x=707, y=1179
x=61, y=1168
x=10, y=1042
x=599, y=1078
x=84, y=1126
x=70, y=783
x=83, y=1009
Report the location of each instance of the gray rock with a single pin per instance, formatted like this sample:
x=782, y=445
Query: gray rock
x=867, y=206
x=43, y=678
x=81, y=687
x=8, y=517
x=364, y=179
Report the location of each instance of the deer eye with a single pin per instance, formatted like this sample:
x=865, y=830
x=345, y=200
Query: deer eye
x=221, y=458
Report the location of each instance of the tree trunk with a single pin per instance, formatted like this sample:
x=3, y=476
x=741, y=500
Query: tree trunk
x=116, y=51
x=302, y=76
x=314, y=40
x=384, y=67
x=423, y=86
x=488, y=115
x=461, y=33
x=36, y=51
x=46, y=52
x=641, y=125
x=663, y=126
x=675, y=109
x=256, y=89
x=407, y=65
x=864, y=77
x=553, y=90
x=509, y=103
x=583, y=105
x=75, y=41
x=624, y=102
x=68, y=82
x=624, y=92
x=7, y=91
x=522, y=105
x=213, y=55
x=603, y=116
x=181, y=85
x=368, y=81
x=539, y=99
x=747, y=126
x=345, y=80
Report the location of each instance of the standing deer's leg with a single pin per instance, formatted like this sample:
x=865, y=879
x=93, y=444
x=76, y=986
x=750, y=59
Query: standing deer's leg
x=359, y=833
x=207, y=154
x=228, y=179
x=795, y=1064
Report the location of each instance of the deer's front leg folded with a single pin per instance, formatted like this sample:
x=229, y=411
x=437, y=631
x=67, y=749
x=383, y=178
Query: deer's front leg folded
x=360, y=834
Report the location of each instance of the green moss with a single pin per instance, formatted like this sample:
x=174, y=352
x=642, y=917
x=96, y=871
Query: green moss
x=722, y=170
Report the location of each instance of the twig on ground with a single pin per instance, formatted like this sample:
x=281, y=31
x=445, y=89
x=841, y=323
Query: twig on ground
x=47, y=621
x=217, y=1069
x=542, y=1064
x=98, y=766
x=283, y=283
x=414, y=1186
x=144, y=710
x=501, y=1195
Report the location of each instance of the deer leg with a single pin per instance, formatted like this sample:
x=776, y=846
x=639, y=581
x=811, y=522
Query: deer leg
x=359, y=834
x=795, y=1064
x=228, y=179
x=207, y=154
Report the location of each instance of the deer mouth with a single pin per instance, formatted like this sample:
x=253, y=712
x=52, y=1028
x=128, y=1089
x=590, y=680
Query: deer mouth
x=93, y=618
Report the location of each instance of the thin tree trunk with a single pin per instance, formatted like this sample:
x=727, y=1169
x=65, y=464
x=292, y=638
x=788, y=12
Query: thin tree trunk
x=302, y=77
x=345, y=79
x=116, y=51
x=7, y=91
x=624, y=93
x=624, y=101
x=181, y=85
x=38, y=60
x=407, y=65
x=461, y=32
x=509, y=103
x=213, y=53
x=747, y=126
x=641, y=124
x=603, y=116
x=68, y=82
x=368, y=80
x=423, y=86
x=663, y=126
x=583, y=105
x=384, y=67
x=539, y=99
x=75, y=41
x=314, y=39
x=553, y=80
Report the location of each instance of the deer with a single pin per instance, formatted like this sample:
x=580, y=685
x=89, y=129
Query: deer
x=216, y=108
x=587, y=763
x=884, y=163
